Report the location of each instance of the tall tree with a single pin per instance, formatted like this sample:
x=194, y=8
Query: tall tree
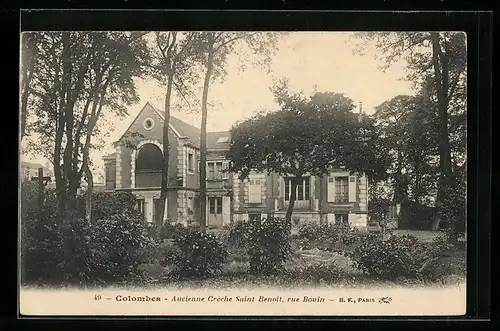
x=409, y=134
x=28, y=67
x=436, y=61
x=307, y=136
x=174, y=67
x=214, y=49
x=79, y=75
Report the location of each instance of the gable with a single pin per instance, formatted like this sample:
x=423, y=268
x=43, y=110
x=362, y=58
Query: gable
x=178, y=128
x=149, y=124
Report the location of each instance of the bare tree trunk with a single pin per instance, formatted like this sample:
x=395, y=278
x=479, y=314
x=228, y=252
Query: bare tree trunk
x=441, y=72
x=170, y=63
x=203, y=137
x=94, y=117
x=166, y=156
x=69, y=242
x=294, y=181
x=90, y=190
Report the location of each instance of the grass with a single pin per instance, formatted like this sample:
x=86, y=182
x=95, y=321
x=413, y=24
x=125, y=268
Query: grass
x=422, y=235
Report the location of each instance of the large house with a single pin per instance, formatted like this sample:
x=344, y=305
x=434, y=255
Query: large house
x=136, y=167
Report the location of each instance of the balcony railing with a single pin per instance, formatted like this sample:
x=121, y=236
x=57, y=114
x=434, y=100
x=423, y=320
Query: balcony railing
x=341, y=197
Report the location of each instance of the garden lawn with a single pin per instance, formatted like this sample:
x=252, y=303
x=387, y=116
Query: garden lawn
x=299, y=272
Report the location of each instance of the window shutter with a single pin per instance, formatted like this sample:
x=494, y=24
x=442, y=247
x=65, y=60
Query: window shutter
x=254, y=191
x=352, y=188
x=226, y=210
x=225, y=166
x=331, y=188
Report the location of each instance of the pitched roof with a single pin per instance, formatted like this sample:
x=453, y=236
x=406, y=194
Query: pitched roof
x=192, y=133
x=218, y=140
x=186, y=130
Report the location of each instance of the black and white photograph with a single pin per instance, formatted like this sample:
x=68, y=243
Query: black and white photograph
x=243, y=173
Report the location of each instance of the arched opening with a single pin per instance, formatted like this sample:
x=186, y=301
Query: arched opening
x=148, y=165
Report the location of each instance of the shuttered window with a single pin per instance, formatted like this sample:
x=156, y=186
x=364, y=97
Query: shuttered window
x=254, y=191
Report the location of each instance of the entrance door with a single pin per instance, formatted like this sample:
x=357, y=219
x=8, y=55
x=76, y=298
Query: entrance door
x=215, y=212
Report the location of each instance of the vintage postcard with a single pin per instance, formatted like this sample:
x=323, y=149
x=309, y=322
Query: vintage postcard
x=223, y=173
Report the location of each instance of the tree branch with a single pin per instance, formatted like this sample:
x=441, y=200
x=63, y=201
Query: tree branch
x=225, y=43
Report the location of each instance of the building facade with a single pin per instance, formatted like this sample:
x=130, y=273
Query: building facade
x=136, y=167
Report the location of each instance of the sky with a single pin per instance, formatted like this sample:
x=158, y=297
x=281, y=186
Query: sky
x=321, y=60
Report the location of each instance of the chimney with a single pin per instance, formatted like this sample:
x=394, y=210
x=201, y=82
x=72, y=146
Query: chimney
x=361, y=107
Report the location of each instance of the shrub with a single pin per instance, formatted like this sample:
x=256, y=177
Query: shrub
x=106, y=204
x=41, y=238
x=236, y=234
x=269, y=245
x=398, y=257
x=115, y=246
x=41, y=248
x=108, y=248
x=197, y=254
x=171, y=230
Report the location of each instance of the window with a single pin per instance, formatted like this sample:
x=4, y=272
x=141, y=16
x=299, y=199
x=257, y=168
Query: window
x=303, y=189
x=180, y=181
x=223, y=140
x=215, y=205
x=148, y=124
x=110, y=173
x=190, y=161
x=149, y=159
x=392, y=212
x=215, y=170
x=140, y=206
x=219, y=205
x=211, y=170
x=342, y=219
x=341, y=189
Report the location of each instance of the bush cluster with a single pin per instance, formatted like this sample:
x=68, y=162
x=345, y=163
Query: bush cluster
x=265, y=244
x=400, y=257
x=107, y=248
x=196, y=254
x=171, y=230
x=269, y=245
x=115, y=246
